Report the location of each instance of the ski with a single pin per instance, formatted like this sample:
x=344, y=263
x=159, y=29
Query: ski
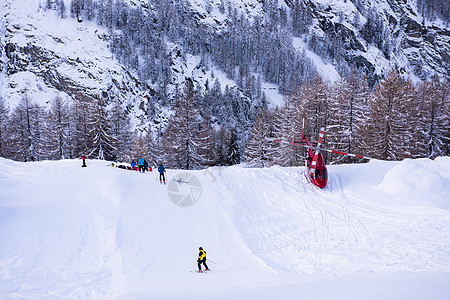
x=203, y=271
x=179, y=180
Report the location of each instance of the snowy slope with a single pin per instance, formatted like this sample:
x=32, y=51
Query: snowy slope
x=379, y=230
x=76, y=51
x=52, y=56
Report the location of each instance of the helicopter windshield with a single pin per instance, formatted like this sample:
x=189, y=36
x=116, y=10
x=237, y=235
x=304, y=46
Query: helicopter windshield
x=321, y=173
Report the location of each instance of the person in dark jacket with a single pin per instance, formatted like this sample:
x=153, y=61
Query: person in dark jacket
x=161, y=171
x=145, y=166
x=202, y=260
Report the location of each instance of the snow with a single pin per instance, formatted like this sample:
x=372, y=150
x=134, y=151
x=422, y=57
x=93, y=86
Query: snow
x=378, y=231
x=68, y=40
x=326, y=70
x=273, y=96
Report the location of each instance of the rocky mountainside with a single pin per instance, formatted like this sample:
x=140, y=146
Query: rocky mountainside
x=45, y=55
x=409, y=44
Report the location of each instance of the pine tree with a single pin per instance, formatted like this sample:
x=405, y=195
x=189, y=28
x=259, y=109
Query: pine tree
x=220, y=146
x=434, y=123
x=301, y=17
x=184, y=139
x=4, y=135
x=205, y=144
x=101, y=13
x=103, y=141
x=75, y=8
x=56, y=131
x=80, y=126
x=389, y=128
x=346, y=117
x=138, y=147
x=233, y=151
x=61, y=8
x=25, y=130
x=287, y=125
x=313, y=105
x=257, y=153
x=49, y=4
x=152, y=150
x=121, y=130
x=90, y=9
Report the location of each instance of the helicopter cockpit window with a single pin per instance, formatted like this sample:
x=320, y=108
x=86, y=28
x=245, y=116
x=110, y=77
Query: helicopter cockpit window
x=321, y=174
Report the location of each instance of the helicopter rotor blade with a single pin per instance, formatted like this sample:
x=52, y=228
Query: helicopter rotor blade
x=293, y=142
x=348, y=154
x=301, y=144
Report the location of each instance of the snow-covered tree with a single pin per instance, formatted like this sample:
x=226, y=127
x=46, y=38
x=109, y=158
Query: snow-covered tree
x=61, y=8
x=434, y=124
x=80, y=126
x=347, y=109
x=233, y=151
x=220, y=146
x=121, y=130
x=55, y=140
x=185, y=142
x=4, y=124
x=287, y=125
x=104, y=143
x=301, y=17
x=25, y=130
x=391, y=122
x=258, y=151
x=153, y=152
x=75, y=8
x=313, y=105
x=89, y=7
x=138, y=147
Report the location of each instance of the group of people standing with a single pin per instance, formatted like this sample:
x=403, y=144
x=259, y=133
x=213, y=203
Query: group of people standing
x=143, y=165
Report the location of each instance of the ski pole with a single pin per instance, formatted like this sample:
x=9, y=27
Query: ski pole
x=212, y=261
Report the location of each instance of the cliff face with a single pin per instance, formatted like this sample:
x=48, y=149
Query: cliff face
x=427, y=49
x=413, y=47
x=44, y=56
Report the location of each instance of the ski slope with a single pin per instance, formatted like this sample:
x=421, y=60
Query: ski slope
x=379, y=230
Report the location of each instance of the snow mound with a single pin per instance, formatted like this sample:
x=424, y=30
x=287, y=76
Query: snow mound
x=420, y=182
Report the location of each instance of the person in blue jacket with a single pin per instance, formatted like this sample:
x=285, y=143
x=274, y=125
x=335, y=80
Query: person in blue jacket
x=161, y=171
x=141, y=165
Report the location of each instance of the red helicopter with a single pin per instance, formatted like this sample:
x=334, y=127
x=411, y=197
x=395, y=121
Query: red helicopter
x=315, y=163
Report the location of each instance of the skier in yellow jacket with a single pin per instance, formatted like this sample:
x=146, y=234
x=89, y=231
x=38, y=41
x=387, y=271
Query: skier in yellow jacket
x=202, y=260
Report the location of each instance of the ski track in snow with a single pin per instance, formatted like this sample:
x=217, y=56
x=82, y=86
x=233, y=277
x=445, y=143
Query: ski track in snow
x=106, y=233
